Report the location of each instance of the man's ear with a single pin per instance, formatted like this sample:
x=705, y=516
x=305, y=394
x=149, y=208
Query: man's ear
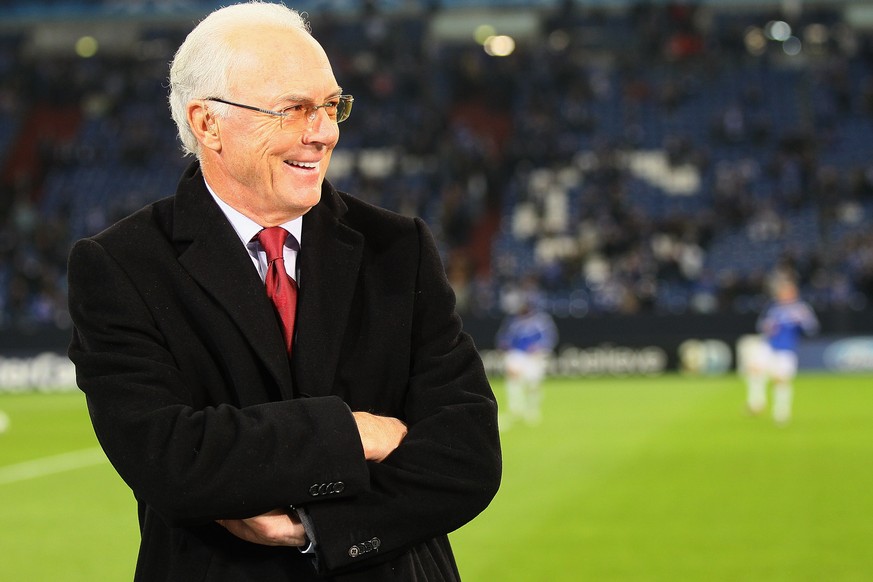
x=204, y=124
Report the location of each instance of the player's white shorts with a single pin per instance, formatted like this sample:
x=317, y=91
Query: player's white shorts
x=779, y=364
x=530, y=367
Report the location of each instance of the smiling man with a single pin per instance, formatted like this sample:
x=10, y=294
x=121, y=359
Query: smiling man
x=334, y=424
x=267, y=160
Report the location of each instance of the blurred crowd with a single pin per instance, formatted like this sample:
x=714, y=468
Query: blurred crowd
x=639, y=161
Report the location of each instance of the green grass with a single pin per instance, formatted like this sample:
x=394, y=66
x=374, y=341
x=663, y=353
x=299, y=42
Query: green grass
x=635, y=479
x=668, y=479
x=70, y=526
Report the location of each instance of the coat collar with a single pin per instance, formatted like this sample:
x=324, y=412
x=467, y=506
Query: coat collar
x=330, y=260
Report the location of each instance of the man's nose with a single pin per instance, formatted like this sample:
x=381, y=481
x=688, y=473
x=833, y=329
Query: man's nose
x=320, y=127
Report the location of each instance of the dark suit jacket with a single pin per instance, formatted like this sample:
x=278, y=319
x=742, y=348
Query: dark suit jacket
x=200, y=411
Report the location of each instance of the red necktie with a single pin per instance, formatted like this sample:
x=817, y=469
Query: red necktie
x=281, y=288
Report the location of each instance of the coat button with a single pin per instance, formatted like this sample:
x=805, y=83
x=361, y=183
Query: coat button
x=364, y=547
x=329, y=488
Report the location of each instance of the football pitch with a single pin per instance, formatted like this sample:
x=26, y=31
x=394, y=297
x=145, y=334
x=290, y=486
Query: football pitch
x=626, y=479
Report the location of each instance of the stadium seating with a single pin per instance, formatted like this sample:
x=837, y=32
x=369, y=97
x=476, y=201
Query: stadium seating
x=652, y=167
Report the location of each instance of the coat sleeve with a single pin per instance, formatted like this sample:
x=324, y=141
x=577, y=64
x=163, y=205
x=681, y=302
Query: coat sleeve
x=448, y=468
x=190, y=463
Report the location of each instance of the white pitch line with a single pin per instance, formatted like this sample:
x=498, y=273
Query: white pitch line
x=51, y=465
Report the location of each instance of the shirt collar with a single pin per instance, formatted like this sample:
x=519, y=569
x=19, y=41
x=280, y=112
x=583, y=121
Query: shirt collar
x=246, y=228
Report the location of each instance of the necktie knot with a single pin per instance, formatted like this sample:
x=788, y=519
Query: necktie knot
x=272, y=239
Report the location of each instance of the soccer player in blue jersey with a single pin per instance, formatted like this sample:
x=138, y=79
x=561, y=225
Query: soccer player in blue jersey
x=527, y=338
x=785, y=321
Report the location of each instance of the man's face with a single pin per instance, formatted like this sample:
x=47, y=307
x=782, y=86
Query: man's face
x=269, y=168
x=786, y=293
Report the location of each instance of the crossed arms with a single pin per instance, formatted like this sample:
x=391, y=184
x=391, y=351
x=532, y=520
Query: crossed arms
x=380, y=435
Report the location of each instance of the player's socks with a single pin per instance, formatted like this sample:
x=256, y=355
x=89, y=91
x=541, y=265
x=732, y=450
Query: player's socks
x=756, y=397
x=516, y=400
x=783, y=394
x=533, y=415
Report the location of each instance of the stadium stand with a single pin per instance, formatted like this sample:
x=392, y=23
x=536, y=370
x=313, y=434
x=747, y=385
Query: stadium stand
x=654, y=158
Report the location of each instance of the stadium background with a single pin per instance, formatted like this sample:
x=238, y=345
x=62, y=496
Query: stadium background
x=646, y=163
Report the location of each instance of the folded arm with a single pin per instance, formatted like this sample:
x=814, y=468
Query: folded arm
x=380, y=435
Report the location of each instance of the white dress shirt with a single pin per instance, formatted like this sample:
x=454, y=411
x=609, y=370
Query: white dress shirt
x=246, y=229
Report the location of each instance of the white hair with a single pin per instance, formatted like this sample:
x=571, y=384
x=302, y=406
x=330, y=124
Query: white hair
x=202, y=64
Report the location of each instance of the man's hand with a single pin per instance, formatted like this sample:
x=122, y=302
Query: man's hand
x=279, y=527
x=380, y=435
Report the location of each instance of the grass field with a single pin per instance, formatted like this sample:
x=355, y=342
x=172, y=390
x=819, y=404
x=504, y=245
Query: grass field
x=625, y=480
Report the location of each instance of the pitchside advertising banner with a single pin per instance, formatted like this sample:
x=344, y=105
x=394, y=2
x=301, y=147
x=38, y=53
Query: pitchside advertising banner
x=851, y=354
x=826, y=354
x=52, y=371
x=697, y=356
x=41, y=372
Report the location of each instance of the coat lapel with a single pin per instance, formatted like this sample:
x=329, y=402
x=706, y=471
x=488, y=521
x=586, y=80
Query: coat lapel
x=216, y=259
x=330, y=261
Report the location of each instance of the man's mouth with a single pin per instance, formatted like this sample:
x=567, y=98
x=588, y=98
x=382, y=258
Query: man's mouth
x=304, y=165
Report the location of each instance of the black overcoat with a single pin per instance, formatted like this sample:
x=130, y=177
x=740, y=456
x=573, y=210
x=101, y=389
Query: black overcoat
x=199, y=409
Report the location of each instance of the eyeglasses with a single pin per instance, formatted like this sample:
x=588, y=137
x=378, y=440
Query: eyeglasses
x=338, y=109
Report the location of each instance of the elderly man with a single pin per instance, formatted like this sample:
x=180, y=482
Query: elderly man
x=336, y=424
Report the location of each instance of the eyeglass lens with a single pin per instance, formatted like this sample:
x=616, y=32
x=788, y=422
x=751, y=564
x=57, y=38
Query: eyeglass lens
x=337, y=111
